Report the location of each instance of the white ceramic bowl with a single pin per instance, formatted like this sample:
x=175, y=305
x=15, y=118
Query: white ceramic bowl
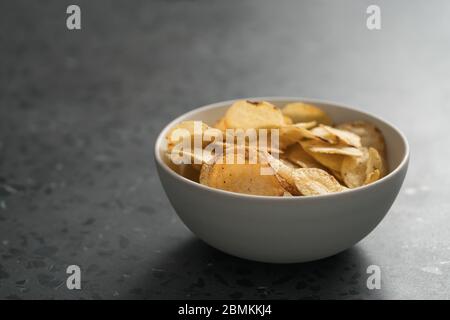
x=284, y=229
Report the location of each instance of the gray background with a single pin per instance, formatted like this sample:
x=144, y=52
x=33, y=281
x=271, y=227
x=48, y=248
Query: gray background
x=80, y=110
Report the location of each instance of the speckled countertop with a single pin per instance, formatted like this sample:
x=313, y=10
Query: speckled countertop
x=80, y=110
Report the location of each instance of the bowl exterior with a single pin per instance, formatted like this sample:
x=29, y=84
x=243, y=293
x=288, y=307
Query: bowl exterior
x=280, y=230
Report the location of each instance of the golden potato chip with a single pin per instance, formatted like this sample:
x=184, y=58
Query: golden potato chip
x=323, y=147
x=245, y=114
x=306, y=125
x=331, y=161
x=292, y=134
x=354, y=169
x=375, y=163
x=302, y=112
x=345, y=137
x=371, y=136
x=246, y=148
x=373, y=176
x=337, y=149
x=241, y=178
x=313, y=181
x=288, y=187
x=325, y=135
x=286, y=172
x=300, y=157
x=307, y=181
x=357, y=171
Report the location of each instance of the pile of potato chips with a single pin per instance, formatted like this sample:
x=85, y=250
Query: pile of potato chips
x=313, y=156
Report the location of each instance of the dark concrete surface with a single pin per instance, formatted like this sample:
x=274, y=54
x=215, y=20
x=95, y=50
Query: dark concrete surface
x=80, y=110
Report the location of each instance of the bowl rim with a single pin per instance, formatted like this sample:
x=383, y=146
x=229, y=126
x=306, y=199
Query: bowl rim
x=389, y=176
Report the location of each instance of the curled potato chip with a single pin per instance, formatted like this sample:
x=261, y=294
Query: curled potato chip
x=307, y=181
x=283, y=173
x=303, y=112
x=331, y=161
x=241, y=178
x=343, y=150
x=288, y=187
x=373, y=176
x=313, y=181
x=300, y=157
x=322, y=147
x=343, y=136
x=323, y=134
x=371, y=136
x=306, y=125
x=245, y=114
x=292, y=134
x=357, y=171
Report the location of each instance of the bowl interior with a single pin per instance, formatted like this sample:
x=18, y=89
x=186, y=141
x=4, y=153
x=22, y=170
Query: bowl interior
x=396, y=144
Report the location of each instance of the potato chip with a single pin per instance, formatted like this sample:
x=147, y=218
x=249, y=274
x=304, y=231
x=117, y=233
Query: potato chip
x=307, y=181
x=373, y=176
x=306, y=125
x=288, y=187
x=375, y=162
x=325, y=135
x=357, y=171
x=322, y=147
x=241, y=178
x=300, y=157
x=292, y=134
x=338, y=149
x=313, y=181
x=302, y=112
x=190, y=156
x=371, y=136
x=331, y=161
x=245, y=114
x=345, y=137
